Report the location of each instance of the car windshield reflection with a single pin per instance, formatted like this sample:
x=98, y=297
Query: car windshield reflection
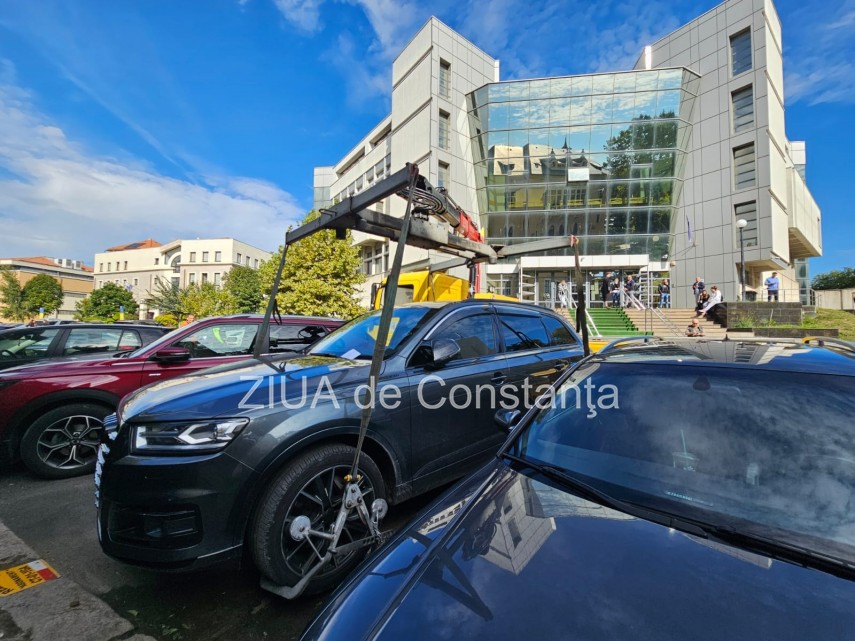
x=356, y=339
x=773, y=456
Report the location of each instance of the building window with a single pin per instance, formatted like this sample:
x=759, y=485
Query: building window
x=192, y=257
x=204, y=257
x=444, y=79
x=743, y=109
x=748, y=212
x=136, y=282
x=442, y=179
x=191, y=278
x=256, y=263
x=100, y=267
x=126, y=266
x=740, y=52
x=444, y=130
x=157, y=261
x=744, y=167
x=217, y=278
x=238, y=258
x=218, y=257
x=109, y=267
x=247, y=261
x=375, y=259
x=204, y=277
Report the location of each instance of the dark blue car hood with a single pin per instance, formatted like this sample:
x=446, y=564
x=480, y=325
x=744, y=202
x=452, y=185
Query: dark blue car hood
x=521, y=559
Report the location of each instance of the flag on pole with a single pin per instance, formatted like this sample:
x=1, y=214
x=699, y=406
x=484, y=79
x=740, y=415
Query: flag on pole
x=689, y=234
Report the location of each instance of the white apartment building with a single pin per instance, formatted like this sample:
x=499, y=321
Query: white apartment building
x=138, y=266
x=651, y=167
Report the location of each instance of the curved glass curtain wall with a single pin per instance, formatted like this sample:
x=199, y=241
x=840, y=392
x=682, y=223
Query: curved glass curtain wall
x=601, y=156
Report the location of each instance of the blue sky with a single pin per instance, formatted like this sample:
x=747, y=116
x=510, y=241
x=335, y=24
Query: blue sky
x=124, y=120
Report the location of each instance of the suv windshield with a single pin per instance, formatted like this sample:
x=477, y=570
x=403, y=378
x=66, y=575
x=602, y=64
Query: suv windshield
x=770, y=454
x=356, y=339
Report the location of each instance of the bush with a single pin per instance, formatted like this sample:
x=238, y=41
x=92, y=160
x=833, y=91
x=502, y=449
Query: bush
x=167, y=320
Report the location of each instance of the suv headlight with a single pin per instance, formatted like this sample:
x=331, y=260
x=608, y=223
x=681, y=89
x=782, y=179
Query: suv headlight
x=192, y=437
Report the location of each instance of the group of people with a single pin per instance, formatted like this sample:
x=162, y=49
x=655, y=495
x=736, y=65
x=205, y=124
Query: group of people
x=705, y=302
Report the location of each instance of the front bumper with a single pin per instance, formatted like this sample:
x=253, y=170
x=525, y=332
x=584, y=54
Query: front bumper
x=171, y=513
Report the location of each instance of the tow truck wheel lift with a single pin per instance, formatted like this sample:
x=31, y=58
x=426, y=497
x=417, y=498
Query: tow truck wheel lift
x=419, y=229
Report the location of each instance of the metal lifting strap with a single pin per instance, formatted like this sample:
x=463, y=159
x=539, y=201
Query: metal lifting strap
x=389, y=297
x=261, y=340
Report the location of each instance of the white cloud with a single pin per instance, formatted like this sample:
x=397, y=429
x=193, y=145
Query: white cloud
x=819, y=66
x=58, y=200
x=303, y=14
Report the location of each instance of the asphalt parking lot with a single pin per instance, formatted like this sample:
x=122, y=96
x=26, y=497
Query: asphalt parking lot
x=57, y=519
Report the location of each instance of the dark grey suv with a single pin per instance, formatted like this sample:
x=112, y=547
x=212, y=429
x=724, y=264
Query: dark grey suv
x=196, y=468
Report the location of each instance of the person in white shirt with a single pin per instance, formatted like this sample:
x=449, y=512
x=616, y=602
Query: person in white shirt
x=715, y=299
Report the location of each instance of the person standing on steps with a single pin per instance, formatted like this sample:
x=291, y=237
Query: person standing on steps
x=698, y=288
x=665, y=293
x=773, y=284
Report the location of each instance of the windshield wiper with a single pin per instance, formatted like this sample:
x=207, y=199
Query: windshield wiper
x=576, y=486
x=776, y=549
x=726, y=534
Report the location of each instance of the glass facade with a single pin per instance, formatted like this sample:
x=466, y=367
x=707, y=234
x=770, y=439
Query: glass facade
x=601, y=156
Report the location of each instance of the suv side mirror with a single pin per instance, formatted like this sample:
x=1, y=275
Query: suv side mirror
x=171, y=354
x=506, y=419
x=443, y=350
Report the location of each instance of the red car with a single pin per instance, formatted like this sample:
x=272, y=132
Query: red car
x=51, y=413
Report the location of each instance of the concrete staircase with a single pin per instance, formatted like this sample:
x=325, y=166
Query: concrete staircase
x=679, y=318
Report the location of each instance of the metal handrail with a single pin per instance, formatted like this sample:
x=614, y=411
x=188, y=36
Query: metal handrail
x=668, y=322
x=591, y=323
x=634, y=300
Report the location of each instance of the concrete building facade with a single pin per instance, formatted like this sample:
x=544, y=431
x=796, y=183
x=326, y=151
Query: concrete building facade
x=76, y=279
x=651, y=167
x=138, y=266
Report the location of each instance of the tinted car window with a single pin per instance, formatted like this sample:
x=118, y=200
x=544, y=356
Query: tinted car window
x=522, y=332
x=220, y=340
x=26, y=343
x=474, y=335
x=558, y=332
x=294, y=338
x=90, y=340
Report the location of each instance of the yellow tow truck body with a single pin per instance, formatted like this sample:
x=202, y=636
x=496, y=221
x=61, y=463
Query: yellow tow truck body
x=417, y=287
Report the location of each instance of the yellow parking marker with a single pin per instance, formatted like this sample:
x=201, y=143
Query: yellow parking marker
x=25, y=576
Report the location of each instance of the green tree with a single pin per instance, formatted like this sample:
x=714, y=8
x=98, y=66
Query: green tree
x=103, y=304
x=166, y=298
x=43, y=291
x=12, y=296
x=320, y=276
x=207, y=300
x=835, y=279
x=244, y=285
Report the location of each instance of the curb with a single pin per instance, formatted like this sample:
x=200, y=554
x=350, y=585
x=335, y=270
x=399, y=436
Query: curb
x=58, y=609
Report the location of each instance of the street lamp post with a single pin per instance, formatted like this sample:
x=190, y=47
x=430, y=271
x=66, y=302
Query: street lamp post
x=742, y=224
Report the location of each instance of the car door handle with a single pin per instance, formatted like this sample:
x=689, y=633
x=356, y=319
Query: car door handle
x=561, y=365
x=498, y=378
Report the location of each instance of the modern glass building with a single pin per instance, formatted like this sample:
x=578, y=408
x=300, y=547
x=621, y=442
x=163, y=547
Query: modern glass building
x=601, y=157
x=651, y=167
